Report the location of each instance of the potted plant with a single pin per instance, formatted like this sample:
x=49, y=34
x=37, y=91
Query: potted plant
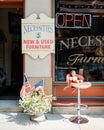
x=36, y=102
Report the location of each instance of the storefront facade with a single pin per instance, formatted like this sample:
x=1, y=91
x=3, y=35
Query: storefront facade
x=78, y=46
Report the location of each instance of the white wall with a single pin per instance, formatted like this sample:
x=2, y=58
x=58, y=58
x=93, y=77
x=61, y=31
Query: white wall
x=38, y=67
x=37, y=6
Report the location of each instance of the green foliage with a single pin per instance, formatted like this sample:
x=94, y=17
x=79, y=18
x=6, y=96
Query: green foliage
x=37, y=102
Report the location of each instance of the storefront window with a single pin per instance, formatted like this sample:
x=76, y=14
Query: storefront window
x=80, y=49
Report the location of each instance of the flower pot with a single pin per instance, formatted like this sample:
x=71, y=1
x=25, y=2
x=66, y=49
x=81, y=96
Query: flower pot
x=38, y=117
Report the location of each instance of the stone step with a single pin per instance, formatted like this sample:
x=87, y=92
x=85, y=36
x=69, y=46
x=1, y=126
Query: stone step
x=13, y=106
x=10, y=106
x=67, y=105
x=73, y=110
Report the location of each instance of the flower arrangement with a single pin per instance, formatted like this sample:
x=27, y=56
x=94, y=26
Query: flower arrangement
x=36, y=101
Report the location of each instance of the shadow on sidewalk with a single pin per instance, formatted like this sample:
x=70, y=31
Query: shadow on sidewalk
x=18, y=118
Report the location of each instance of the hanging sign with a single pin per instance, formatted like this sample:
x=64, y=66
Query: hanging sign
x=38, y=36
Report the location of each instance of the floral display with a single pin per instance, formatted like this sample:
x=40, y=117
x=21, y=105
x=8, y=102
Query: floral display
x=36, y=101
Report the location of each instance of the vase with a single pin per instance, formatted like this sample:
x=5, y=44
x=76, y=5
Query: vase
x=38, y=117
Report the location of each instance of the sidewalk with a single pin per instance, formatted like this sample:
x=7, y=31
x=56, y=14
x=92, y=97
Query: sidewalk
x=96, y=122
x=21, y=121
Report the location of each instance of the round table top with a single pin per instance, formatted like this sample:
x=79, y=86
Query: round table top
x=82, y=85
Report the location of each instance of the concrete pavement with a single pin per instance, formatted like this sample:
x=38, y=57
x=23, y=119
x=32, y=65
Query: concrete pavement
x=96, y=122
x=11, y=117
x=21, y=121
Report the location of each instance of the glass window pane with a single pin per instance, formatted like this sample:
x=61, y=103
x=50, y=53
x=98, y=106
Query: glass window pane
x=80, y=49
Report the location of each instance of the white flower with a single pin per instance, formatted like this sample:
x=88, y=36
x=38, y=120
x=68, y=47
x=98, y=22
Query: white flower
x=38, y=101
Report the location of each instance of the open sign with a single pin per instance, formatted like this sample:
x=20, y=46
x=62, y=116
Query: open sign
x=73, y=20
